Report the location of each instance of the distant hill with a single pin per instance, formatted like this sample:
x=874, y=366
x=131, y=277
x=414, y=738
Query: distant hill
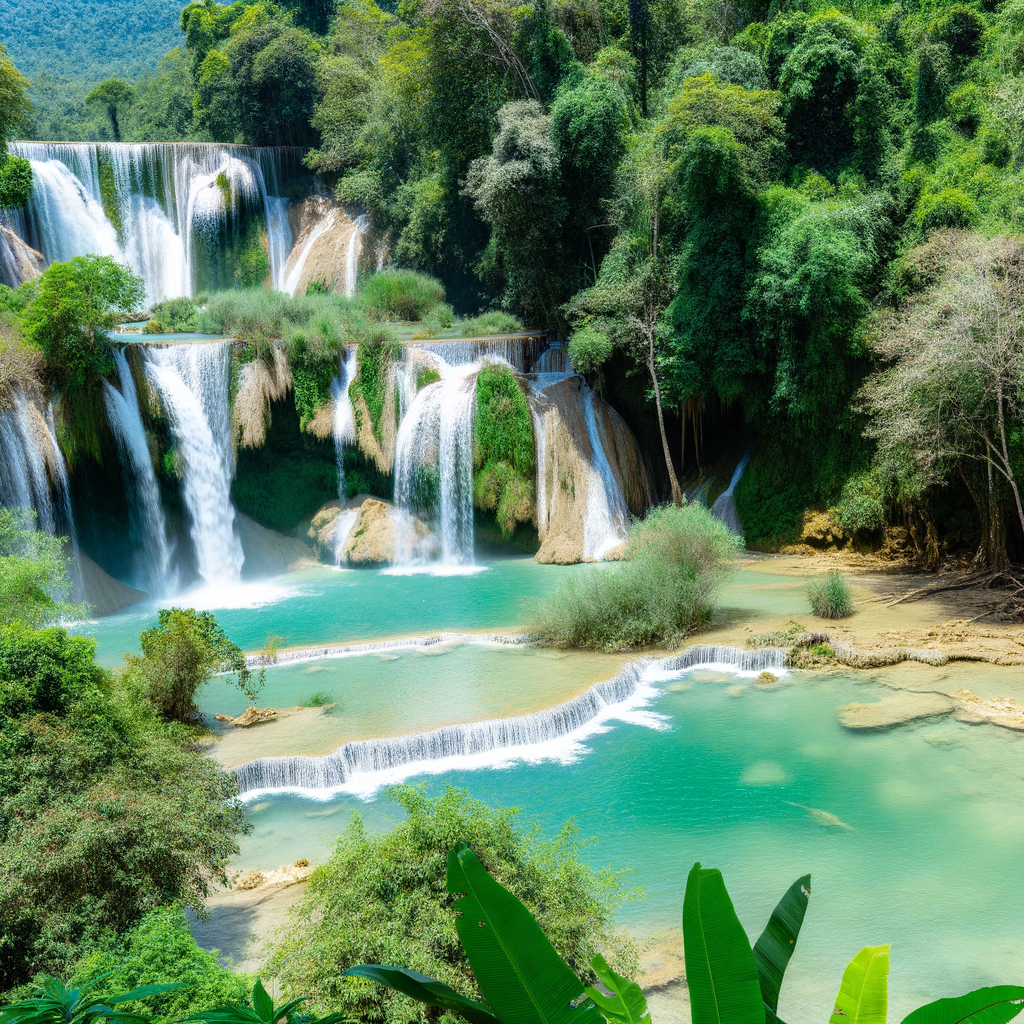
x=89, y=40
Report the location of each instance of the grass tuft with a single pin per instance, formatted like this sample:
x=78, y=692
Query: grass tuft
x=830, y=596
x=676, y=560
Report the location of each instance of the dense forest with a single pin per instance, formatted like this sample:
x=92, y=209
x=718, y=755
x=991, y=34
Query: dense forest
x=751, y=221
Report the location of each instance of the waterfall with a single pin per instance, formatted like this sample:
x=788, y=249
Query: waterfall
x=724, y=508
x=171, y=211
x=607, y=515
x=291, y=283
x=434, y=460
x=146, y=524
x=192, y=382
x=344, y=430
x=355, y=247
x=519, y=352
x=363, y=766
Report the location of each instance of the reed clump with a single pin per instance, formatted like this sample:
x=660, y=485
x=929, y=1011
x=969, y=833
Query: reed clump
x=401, y=295
x=675, y=562
x=830, y=596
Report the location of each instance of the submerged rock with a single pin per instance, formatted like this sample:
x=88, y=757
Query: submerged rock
x=1004, y=711
x=896, y=710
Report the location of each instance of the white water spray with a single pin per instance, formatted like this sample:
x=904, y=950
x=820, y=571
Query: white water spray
x=344, y=432
x=192, y=381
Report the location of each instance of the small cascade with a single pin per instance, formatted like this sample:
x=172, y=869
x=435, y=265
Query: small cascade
x=607, y=516
x=298, y=263
x=353, y=250
x=364, y=765
x=724, y=508
x=146, y=524
x=519, y=353
x=344, y=430
x=192, y=382
x=434, y=461
x=173, y=211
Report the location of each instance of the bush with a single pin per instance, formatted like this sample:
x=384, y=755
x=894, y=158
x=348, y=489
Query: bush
x=861, y=507
x=589, y=350
x=494, y=322
x=154, y=327
x=176, y=314
x=830, y=596
x=948, y=208
x=374, y=358
x=160, y=950
x=503, y=459
x=383, y=899
x=400, y=295
x=676, y=559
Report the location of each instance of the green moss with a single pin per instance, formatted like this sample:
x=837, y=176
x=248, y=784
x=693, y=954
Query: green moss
x=312, y=386
x=252, y=264
x=426, y=375
x=108, y=196
x=503, y=460
x=375, y=354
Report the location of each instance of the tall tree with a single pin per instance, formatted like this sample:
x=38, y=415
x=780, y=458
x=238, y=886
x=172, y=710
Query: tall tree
x=114, y=96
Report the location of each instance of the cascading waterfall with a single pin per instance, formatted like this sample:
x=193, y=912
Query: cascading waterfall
x=355, y=247
x=291, y=282
x=168, y=210
x=27, y=445
x=434, y=456
x=192, y=382
x=344, y=432
x=146, y=524
x=363, y=765
x=607, y=515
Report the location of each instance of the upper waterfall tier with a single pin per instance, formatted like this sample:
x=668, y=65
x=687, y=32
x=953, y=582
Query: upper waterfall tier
x=179, y=214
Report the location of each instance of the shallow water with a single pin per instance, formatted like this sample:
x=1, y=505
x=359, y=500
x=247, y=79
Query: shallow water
x=930, y=861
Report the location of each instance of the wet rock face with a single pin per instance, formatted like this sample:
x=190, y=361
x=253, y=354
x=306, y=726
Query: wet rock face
x=19, y=262
x=384, y=535
x=330, y=242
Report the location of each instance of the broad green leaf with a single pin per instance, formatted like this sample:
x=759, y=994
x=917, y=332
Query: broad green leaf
x=521, y=976
x=864, y=994
x=996, y=1005
x=720, y=970
x=626, y=1004
x=262, y=1003
x=778, y=940
x=425, y=990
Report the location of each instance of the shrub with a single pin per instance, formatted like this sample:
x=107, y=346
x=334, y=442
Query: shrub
x=676, y=559
x=830, y=596
x=503, y=459
x=176, y=314
x=383, y=899
x=400, y=295
x=318, y=699
x=948, y=208
x=160, y=950
x=317, y=288
x=861, y=508
x=154, y=327
x=966, y=106
x=495, y=322
x=375, y=355
x=589, y=350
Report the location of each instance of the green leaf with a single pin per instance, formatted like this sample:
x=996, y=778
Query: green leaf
x=995, y=1005
x=626, y=1004
x=262, y=1003
x=425, y=990
x=720, y=969
x=521, y=976
x=144, y=992
x=774, y=948
x=864, y=994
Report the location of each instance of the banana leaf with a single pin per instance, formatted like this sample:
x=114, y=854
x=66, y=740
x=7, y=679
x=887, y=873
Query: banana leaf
x=773, y=949
x=720, y=969
x=424, y=989
x=996, y=1005
x=521, y=976
x=626, y=1004
x=864, y=993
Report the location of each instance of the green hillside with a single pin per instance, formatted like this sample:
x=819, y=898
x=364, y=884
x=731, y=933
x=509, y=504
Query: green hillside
x=88, y=41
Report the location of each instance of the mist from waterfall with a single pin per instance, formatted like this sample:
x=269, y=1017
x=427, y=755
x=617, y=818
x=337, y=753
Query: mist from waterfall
x=434, y=461
x=146, y=524
x=158, y=207
x=192, y=382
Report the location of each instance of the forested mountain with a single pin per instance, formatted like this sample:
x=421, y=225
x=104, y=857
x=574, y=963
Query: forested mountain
x=88, y=41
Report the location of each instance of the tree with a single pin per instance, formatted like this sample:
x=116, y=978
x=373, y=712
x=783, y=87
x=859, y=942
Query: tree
x=15, y=111
x=954, y=394
x=34, y=584
x=114, y=96
x=180, y=654
x=75, y=304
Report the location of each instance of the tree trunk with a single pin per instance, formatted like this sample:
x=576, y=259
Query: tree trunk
x=995, y=542
x=980, y=559
x=677, y=494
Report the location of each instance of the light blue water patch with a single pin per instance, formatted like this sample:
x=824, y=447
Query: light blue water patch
x=919, y=844
x=334, y=606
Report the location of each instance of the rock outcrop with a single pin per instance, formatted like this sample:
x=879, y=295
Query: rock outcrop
x=567, y=468
x=103, y=593
x=329, y=243
x=19, y=262
x=269, y=553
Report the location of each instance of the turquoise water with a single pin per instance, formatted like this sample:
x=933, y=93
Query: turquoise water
x=334, y=606
x=931, y=861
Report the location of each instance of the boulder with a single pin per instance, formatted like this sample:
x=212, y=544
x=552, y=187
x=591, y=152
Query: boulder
x=896, y=710
x=328, y=527
x=269, y=553
x=383, y=535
